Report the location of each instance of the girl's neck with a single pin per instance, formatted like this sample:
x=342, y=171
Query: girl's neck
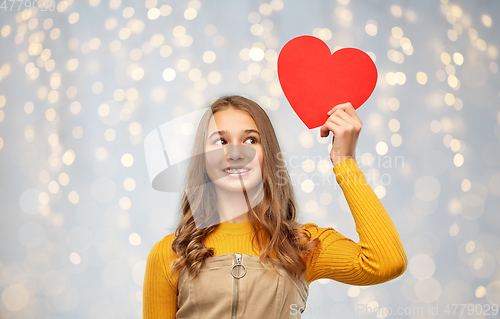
x=232, y=206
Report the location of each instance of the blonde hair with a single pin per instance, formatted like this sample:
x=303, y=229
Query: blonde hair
x=273, y=219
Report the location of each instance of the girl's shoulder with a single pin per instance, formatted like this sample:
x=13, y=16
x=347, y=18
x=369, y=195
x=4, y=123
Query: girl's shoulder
x=163, y=248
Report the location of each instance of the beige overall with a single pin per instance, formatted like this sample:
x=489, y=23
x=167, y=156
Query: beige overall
x=239, y=286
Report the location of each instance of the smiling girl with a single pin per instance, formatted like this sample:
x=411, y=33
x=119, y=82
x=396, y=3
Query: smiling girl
x=239, y=251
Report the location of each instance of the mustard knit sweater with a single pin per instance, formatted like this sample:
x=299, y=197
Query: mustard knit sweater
x=378, y=257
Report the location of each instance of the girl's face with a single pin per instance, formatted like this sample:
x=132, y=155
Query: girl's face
x=234, y=142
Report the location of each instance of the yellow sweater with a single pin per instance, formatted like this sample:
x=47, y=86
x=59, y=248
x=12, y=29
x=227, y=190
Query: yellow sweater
x=378, y=257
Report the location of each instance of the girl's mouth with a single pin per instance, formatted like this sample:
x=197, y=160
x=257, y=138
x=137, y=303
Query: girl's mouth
x=237, y=172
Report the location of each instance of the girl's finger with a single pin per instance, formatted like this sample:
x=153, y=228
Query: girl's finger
x=343, y=105
x=346, y=117
x=352, y=112
x=327, y=127
x=338, y=120
x=349, y=109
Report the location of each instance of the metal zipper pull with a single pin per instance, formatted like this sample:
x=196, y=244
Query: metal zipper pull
x=238, y=263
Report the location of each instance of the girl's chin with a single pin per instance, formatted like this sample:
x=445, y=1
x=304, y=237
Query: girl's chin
x=235, y=186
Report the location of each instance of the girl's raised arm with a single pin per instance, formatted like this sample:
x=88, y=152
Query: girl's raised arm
x=379, y=255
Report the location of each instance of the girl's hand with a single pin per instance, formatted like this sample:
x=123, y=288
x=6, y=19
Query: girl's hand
x=346, y=126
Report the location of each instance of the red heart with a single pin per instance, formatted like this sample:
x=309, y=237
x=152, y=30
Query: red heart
x=314, y=80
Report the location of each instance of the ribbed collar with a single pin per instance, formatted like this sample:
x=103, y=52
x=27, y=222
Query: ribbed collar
x=235, y=229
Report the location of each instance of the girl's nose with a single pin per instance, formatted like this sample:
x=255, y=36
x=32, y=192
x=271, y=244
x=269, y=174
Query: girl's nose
x=234, y=152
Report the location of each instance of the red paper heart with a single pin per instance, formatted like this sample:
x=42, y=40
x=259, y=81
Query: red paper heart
x=314, y=80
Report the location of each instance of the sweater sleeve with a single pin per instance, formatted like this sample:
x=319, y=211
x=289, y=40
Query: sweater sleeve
x=160, y=290
x=379, y=255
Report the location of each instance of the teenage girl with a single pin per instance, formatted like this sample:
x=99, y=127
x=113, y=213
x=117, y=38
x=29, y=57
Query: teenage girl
x=238, y=251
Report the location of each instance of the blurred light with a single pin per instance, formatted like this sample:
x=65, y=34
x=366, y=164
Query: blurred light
x=5, y=31
x=15, y=297
x=466, y=185
x=245, y=76
x=128, y=12
x=256, y=54
x=453, y=231
x=450, y=69
x=165, y=10
x=73, y=18
x=306, y=139
x=307, y=186
x=421, y=78
x=410, y=15
x=125, y=203
x=470, y=246
x=455, y=145
x=77, y=132
x=135, y=239
x=396, y=140
x=129, y=184
x=458, y=160
x=52, y=283
x=311, y=206
x=253, y=17
x=218, y=40
x=480, y=292
x=422, y=266
x=265, y=9
x=396, y=11
x=63, y=179
x=486, y=19
x=208, y=57
x=154, y=13
x=256, y=29
x=210, y=29
x=427, y=188
x=397, y=32
x=165, y=51
x=169, y=74
x=393, y=104
x=254, y=68
x=214, y=77
x=452, y=35
x=371, y=27
x=101, y=153
x=380, y=191
x=445, y=58
x=183, y=65
x=68, y=157
x=325, y=34
x=353, y=291
x=97, y=87
x=428, y=290
x=381, y=148
x=127, y=160
x=75, y=258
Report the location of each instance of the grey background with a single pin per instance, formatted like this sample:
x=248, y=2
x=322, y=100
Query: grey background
x=60, y=259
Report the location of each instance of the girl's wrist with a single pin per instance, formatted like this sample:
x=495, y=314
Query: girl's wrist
x=337, y=159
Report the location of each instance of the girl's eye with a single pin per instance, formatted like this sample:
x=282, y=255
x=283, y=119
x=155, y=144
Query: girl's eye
x=252, y=138
x=221, y=139
x=215, y=142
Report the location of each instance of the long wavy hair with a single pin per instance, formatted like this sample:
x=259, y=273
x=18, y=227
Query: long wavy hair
x=280, y=238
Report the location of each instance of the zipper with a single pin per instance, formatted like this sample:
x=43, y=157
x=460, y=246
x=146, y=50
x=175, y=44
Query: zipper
x=237, y=276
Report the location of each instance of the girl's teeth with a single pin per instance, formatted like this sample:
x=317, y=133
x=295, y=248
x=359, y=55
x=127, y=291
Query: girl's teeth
x=236, y=171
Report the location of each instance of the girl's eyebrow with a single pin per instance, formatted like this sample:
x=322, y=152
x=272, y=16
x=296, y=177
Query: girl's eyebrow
x=244, y=131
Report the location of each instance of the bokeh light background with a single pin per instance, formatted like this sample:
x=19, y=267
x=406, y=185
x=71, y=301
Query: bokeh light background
x=82, y=85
